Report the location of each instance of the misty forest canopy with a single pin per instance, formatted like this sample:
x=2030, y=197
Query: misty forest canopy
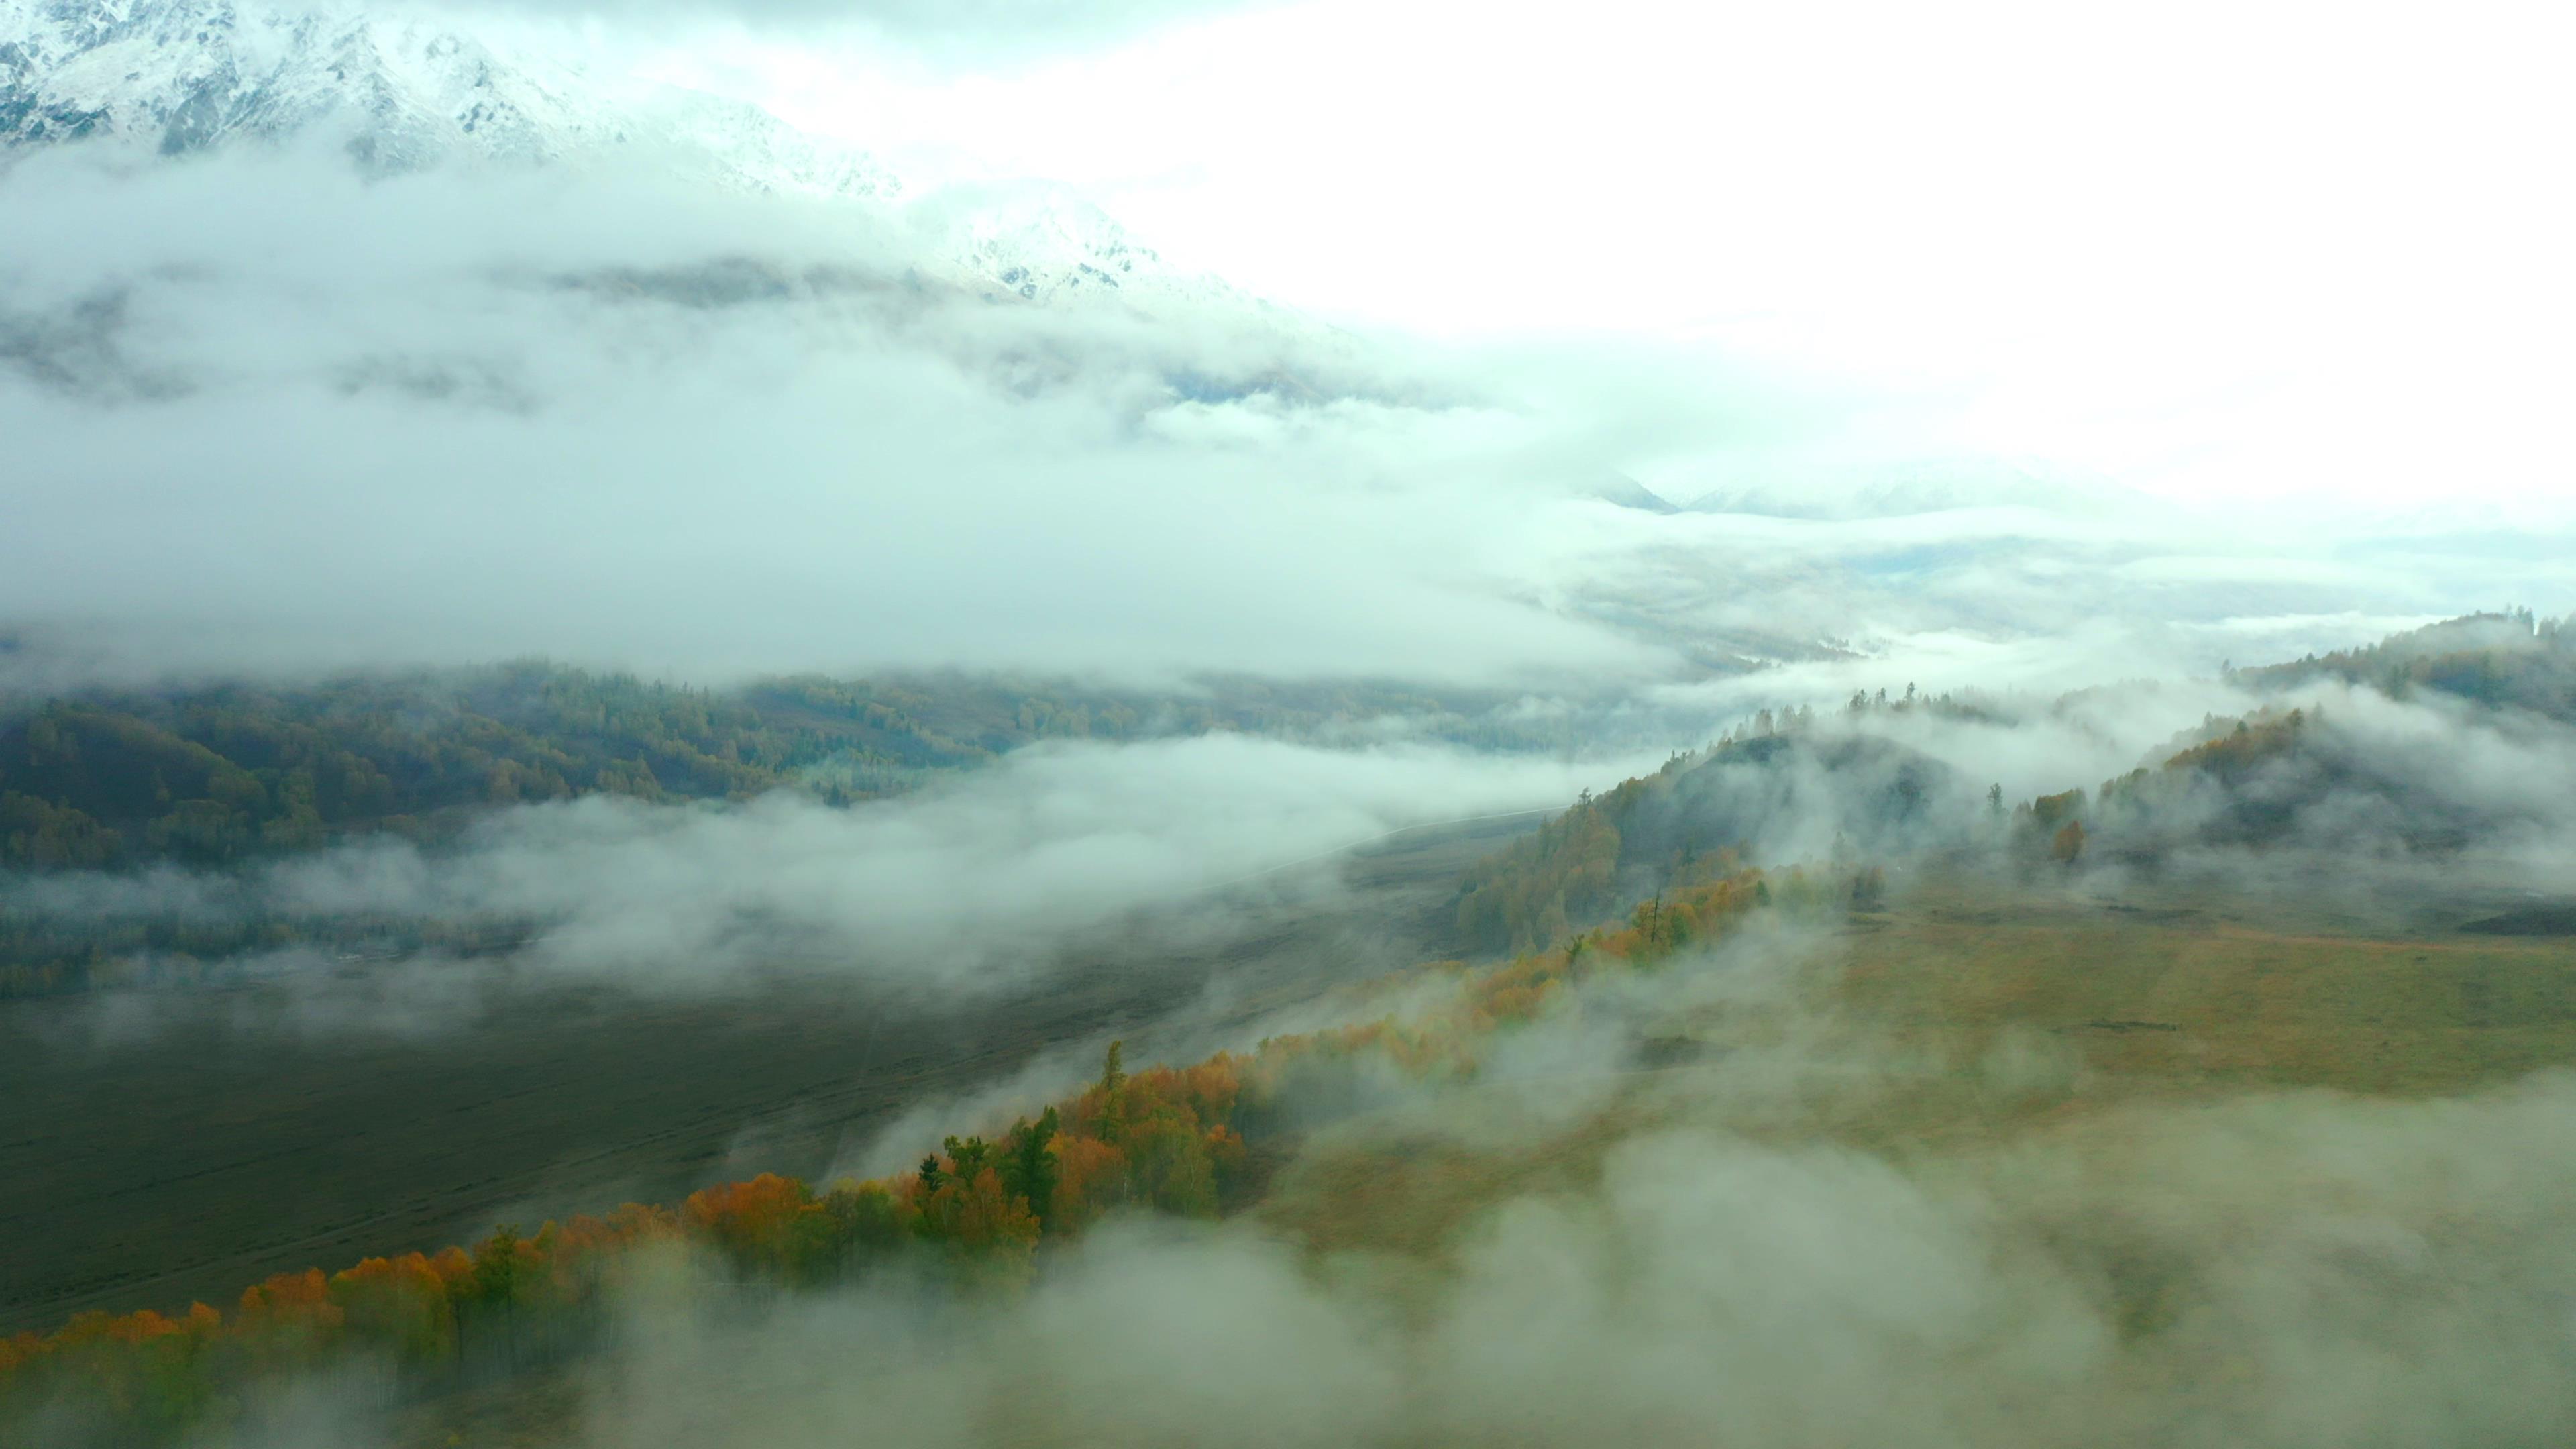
x=2513, y=659
x=227, y=774
x=224, y=774
x=228, y=784
x=1795, y=785
x=236, y=779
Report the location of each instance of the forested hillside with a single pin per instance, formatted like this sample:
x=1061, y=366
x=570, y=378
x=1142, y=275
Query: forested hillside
x=217, y=775
x=222, y=774
x=2513, y=659
x=1786, y=787
x=1797, y=784
x=2297, y=773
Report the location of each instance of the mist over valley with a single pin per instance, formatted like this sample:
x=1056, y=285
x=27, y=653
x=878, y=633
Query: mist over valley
x=1275, y=722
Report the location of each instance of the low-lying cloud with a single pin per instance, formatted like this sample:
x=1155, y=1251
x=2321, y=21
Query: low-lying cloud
x=475, y=415
x=980, y=883
x=602, y=415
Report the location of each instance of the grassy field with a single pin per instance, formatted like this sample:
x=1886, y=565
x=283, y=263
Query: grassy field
x=2192, y=1002
x=1969, y=1018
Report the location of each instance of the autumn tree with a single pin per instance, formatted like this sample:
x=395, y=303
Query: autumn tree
x=1028, y=1167
x=850, y=1223
x=1092, y=1178
x=1112, y=1122
x=401, y=1302
x=967, y=1156
x=493, y=1288
x=754, y=1221
x=1169, y=1162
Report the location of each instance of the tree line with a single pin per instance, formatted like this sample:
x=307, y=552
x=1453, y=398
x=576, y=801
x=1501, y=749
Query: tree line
x=221, y=774
x=2512, y=659
x=222, y=777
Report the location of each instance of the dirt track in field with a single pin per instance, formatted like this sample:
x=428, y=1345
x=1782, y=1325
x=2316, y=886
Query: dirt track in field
x=147, y=1169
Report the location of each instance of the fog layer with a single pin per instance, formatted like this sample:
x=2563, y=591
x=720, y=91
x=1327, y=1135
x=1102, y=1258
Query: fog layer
x=979, y=882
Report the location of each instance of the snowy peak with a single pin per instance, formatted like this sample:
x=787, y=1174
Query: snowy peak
x=405, y=92
x=995, y=231
x=185, y=75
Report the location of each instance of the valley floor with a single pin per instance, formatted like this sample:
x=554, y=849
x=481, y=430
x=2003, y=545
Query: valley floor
x=177, y=1147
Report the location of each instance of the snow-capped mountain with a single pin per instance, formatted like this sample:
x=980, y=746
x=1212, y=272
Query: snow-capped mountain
x=408, y=90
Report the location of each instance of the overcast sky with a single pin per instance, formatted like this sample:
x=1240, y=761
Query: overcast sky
x=2220, y=251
